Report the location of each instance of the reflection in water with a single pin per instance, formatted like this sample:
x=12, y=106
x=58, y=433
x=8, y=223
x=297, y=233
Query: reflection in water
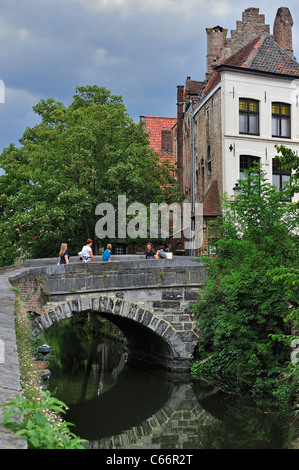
x=141, y=410
x=115, y=406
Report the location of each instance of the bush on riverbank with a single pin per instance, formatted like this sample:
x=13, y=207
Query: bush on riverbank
x=242, y=306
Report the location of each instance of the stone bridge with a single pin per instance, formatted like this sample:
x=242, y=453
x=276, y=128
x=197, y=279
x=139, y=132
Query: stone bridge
x=149, y=300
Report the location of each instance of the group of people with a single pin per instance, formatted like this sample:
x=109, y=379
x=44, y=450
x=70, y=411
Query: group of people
x=87, y=255
x=159, y=254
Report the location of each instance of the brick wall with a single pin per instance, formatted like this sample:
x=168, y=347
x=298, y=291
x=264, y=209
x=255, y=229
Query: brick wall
x=219, y=46
x=208, y=147
x=30, y=292
x=251, y=26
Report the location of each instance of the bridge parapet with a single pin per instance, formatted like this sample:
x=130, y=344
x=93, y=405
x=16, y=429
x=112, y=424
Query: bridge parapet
x=123, y=274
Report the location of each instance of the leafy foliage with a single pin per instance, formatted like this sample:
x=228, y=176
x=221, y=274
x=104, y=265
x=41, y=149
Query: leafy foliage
x=242, y=303
x=76, y=158
x=290, y=162
x=30, y=421
x=244, y=423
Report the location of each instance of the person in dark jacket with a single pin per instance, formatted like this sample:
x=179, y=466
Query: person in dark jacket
x=150, y=252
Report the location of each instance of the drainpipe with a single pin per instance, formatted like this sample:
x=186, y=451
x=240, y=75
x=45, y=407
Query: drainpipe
x=192, y=224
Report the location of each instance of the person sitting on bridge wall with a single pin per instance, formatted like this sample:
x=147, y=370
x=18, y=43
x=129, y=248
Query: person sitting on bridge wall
x=107, y=253
x=160, y=254
x=150, y=252
x=168, y=253
x=63, y=254
x=86, y=253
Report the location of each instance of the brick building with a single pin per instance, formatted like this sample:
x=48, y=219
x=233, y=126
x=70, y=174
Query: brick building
x=160, y=132
x=245, y=105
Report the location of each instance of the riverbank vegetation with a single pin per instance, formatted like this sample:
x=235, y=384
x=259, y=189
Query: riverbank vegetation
x=35, y=415
x=250, y=300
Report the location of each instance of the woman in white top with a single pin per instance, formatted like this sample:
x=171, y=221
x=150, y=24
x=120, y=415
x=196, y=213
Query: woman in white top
x=169, y=255
x=87, y=254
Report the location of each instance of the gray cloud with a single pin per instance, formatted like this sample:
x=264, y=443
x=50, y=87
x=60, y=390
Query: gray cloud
x=139, y=49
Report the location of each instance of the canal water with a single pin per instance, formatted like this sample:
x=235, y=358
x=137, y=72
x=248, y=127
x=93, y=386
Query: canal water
x=116, y=406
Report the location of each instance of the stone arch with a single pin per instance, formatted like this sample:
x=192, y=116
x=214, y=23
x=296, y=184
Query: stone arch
x=151, y=339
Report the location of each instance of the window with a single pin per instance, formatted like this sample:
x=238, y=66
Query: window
x=281, y=120
x=246, y=162
x=280, y=178
x=209, y=159
x=120, y=249
x=248, y=116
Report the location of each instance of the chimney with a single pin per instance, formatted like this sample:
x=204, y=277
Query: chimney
x=166, y=141
x=215, y=47
x=282, y=29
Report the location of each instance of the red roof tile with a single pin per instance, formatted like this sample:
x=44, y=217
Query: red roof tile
x=263, y=54
x=154, y=128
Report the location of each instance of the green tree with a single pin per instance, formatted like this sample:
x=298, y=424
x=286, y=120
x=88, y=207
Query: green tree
x=75, y=158
x=290, y=276
x=241, y=303
x=289, y=161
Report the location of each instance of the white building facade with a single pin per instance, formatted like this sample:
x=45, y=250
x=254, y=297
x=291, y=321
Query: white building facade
x=272, y=118
x=247, y=104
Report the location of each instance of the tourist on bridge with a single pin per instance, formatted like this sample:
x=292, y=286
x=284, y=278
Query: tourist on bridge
x=150, y=252
x=86, y=253
x=168, y=253
x=63, y=254
x=160, y=254
x=107, y=253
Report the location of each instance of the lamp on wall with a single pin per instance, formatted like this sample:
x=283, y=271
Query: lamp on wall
x=236, y=189
x=231, y=147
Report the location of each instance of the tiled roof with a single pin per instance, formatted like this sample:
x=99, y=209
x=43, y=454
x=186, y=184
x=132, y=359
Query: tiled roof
x=262, y=54
x=265, y=55
x=154, y=127
x=194, y=87
x=214, y=80
x=212, y=202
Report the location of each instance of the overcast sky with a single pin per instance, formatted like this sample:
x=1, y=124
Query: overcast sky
x=140, y=49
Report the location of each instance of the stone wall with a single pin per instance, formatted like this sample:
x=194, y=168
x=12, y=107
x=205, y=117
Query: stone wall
x=9, y=362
